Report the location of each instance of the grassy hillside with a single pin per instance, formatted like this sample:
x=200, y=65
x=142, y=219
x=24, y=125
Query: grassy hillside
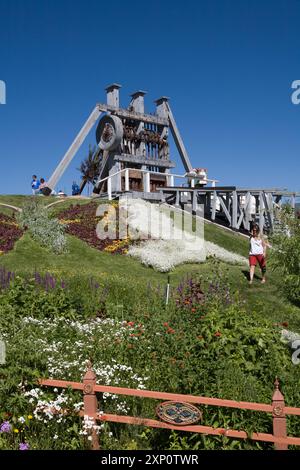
x=81, y=259
x=216, y=337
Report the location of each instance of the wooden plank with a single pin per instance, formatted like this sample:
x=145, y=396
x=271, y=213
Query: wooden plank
x=61, y=384
x=135, y=174
x=73, y=149
x=288, y=410
x=199, y=429
x=178, y=141
x=223, y=204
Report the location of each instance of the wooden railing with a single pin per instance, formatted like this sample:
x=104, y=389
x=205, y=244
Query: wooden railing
x=277, y=408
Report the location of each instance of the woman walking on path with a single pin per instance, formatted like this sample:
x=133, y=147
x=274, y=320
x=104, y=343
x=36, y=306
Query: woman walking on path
x=257, y=254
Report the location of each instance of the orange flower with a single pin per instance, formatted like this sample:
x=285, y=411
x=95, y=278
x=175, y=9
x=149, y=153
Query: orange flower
x=170, y=330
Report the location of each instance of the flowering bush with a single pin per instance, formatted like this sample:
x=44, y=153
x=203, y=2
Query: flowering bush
x=48, y=232
x=285, y=255
x=59, y=348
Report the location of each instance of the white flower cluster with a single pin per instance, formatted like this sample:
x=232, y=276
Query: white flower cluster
x=66, y=345
x=167, y=244
x=89, y=426
x=45, y=410
x=289, y=337
x=224, y=255
x=164, y=255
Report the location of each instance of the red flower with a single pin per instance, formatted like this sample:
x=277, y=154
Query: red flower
x=218, y=334
x=193, y=310
x=166, y=324
x=170, y=330
x=285, y=323
x=130, y=323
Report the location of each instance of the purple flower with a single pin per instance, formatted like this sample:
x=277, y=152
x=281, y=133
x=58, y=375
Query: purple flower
x=23, y=446
x=5, y=427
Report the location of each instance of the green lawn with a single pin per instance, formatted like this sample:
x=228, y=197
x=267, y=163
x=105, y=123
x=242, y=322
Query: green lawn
x=81, y=259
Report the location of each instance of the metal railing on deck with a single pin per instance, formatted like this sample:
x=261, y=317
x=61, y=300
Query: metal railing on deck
x=147, y=173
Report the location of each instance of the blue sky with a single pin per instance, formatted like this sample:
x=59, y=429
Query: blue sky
x=227, y=66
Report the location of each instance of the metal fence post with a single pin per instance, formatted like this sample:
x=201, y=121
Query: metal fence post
x=90, y=401
x=279, y=417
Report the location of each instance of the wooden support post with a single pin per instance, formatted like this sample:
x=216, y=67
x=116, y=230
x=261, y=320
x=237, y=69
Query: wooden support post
x=71, y=152
x=194, y=202
x=267, y=210
x=170, y=181
x=225, y=208
x=247, y=210
x=127, y=179
x=90, y=402
x=214, y=205
x=261, y=212
x=271, y=209
x=109, y=189
x=147, y=182
x=162, y=196
x=234, y=206
x=293, y=201
x=279, y=417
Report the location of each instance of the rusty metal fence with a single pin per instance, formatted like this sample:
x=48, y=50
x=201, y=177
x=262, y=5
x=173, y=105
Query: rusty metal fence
x=178, y=412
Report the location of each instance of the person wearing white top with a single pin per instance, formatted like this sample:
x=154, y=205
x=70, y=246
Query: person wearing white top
x=257, y=254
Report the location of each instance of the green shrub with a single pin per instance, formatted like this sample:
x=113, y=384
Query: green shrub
x=48, y=232
x=286, y=253
x=211, y=347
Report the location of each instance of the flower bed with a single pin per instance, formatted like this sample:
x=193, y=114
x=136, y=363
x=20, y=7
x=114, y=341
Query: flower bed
x=204, y=342
x=10, y=232
x=81, y=221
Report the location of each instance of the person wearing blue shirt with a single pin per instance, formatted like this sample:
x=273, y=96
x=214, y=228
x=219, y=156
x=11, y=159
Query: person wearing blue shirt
x=35, y=185
x=75, y=189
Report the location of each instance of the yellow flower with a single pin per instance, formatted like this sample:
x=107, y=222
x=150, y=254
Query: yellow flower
x=16, y=431
x=29, y=416
x=68, y=222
